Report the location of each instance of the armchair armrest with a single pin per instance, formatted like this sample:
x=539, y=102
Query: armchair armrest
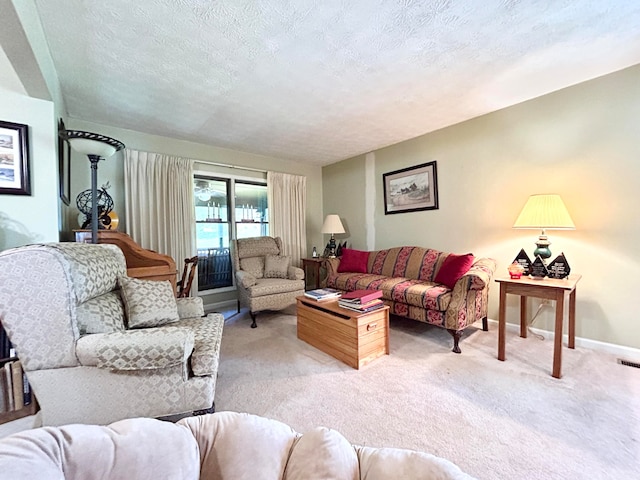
x=190, y=307
x=147, y=349
x=245, y=279
x=295, y=273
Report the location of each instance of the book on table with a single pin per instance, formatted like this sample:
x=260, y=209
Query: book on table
x=323, y=294
x=368, y=307
x=351, y=303
x=362, y=296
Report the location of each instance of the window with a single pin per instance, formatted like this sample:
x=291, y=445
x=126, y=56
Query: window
x=220, y=217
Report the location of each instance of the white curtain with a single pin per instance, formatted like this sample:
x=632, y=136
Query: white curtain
x=287, y=198
x=159, y=204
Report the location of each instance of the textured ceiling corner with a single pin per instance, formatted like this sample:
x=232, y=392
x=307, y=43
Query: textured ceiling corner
x=318, y=82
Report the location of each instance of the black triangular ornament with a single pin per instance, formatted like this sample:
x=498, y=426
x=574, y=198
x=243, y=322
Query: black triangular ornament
x=524, y=260
x=559, y=268
x=538, y=268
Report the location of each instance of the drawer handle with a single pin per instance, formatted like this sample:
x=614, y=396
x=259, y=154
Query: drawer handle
x=371, y=326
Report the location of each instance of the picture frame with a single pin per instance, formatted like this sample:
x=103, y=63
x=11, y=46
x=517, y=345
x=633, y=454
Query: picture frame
x=411, y=189
x=64, y=165
x=14, y=159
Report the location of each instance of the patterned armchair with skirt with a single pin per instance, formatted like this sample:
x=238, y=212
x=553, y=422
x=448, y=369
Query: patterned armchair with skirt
x=265, y=279
x=98, y=346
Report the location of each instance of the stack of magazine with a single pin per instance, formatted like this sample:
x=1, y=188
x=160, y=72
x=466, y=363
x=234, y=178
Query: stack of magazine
x=362, y=301
x=321, y=294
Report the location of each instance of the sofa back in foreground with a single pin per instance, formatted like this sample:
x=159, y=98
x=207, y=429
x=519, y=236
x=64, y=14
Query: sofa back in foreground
x=224, y=445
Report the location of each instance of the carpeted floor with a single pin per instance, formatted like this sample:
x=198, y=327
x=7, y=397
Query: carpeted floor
x=496, y=420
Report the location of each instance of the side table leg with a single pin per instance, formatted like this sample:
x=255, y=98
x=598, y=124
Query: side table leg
x=572, y=319
x=502, y=322
x=557, y=341
x=523, y=316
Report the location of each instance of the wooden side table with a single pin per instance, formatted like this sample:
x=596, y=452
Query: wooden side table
x=313, y=265
x=549, y=288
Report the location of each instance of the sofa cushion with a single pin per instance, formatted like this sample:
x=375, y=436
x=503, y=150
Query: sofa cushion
x=190, y=307
x=276, y=266
x=103, y=314
x=270, y=286
x=409, y=291
x=148, y=303
x=353, y=261
x=453, y=268
x=385, y=463
x=133, y=448
x=241, y=446
x=322, y=453
x=253, y=265
x=408, y=262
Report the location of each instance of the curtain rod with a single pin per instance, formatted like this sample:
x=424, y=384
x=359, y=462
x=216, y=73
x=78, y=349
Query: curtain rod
x=207, y=162
x=226, y=165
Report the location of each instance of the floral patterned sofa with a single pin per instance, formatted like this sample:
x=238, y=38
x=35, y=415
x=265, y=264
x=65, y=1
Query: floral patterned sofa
x=423, y=284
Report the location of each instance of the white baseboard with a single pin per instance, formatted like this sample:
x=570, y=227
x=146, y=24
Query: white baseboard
x=620, y=351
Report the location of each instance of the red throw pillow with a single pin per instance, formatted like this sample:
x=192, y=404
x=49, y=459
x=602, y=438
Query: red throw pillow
x=353, y=261
x=453, y=268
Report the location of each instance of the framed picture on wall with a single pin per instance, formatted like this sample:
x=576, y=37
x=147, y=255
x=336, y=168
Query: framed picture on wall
x=14, y=159
x=64, y=165
x=411, y=189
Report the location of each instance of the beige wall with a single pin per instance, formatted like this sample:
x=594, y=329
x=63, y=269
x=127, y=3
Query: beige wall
x=347, y=198
x=580, y=142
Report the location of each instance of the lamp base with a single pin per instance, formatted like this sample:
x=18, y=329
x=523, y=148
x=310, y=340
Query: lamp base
x=332, y=247
x=542, y=249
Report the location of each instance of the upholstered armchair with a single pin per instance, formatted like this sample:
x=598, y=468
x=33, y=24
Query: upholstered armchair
x=265, y=279
x=98, y=346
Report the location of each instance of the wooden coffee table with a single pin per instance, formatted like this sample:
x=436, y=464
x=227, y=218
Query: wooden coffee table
x=353, y=338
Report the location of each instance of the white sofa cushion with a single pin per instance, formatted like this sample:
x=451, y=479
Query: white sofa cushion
x=322, y=453
x=225, y=445
x=140, y=448
x=240, y=446
x=385, y=463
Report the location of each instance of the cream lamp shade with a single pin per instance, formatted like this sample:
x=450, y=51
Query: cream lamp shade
x=544, y=212
x=332, y=225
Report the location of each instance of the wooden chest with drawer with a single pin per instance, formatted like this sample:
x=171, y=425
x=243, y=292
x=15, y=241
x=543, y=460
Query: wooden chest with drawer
x=353, y=338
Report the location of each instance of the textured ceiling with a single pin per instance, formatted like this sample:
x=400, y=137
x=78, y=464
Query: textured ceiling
x=320, y=81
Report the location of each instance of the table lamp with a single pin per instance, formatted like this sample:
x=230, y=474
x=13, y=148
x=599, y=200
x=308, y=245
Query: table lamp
x=97, y=147
x=545, y=212
x=332, y=225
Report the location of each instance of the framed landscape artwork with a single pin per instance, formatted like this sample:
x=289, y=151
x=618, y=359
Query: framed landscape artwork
x=14, y=159
x=411, y=189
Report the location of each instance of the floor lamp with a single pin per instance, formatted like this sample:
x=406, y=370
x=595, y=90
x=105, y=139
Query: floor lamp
x=97, y=147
